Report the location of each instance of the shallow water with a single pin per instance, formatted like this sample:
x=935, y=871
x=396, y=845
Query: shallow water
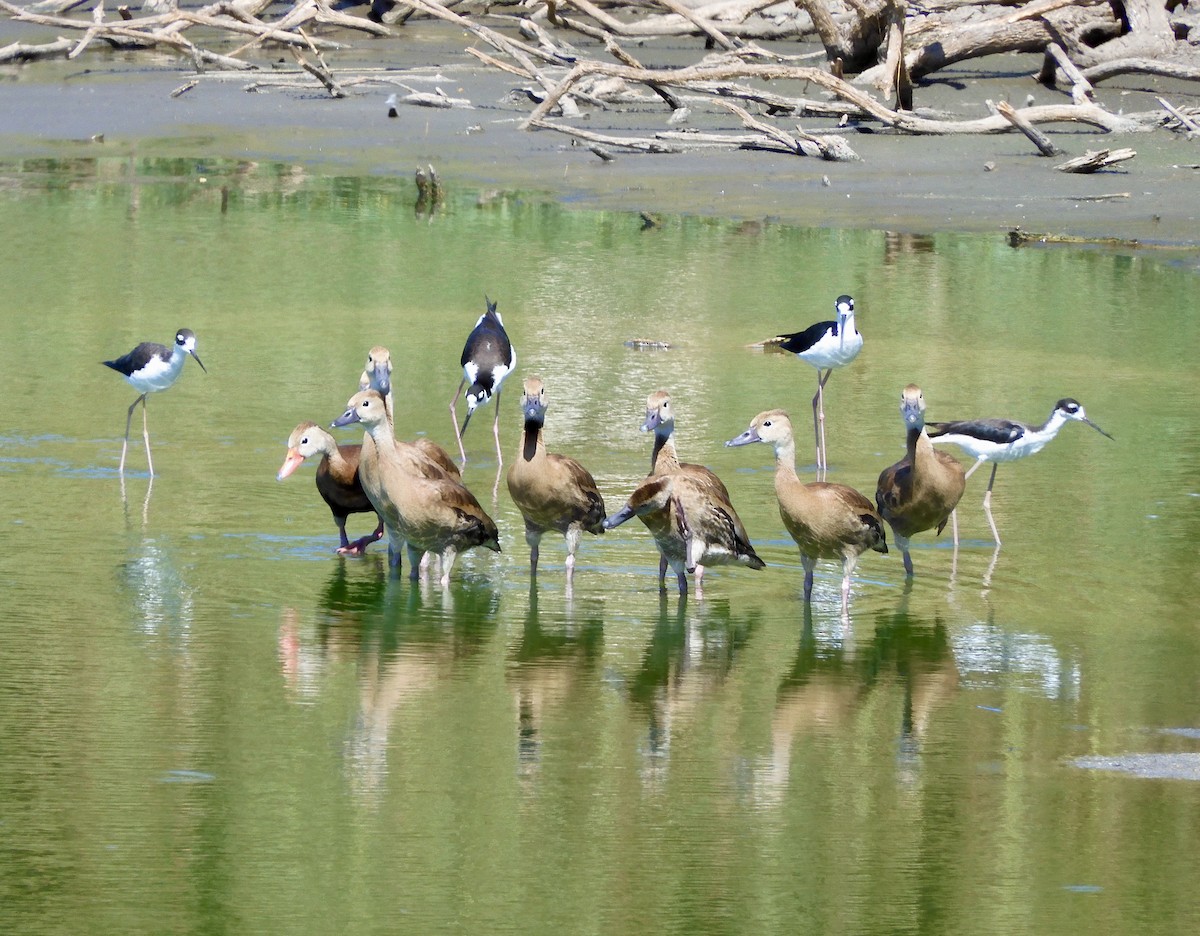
x=211, y=722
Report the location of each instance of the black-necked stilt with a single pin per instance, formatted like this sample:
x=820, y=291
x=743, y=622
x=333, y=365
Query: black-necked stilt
x=337, y=480
x=552, y=491
x=826, y=346
x=921, y=490
x=1005, y=440
x=149, y=368
x=487, y=358
x=827, y=521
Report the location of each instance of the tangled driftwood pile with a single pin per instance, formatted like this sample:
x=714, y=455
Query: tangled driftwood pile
x=574, y=54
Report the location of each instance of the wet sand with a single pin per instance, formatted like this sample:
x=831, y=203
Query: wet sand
x=903, y=183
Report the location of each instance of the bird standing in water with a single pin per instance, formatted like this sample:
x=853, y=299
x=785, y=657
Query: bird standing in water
x=1005, y=440
x=552, y=491
x=149, y=368
x=827, y=521
x=920, y=491
x=337, y=480
x=487, y=358
x=826, y=346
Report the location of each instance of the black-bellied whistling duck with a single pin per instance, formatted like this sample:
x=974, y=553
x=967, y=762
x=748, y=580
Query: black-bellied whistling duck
x=337, y=480
x=826, y=346
x=827, y=521
x=421, y=514
x=692, y=527
x=378, y=376
x=1005, y=440
x=487, y=358
x=553, y=492
x=921, y=490
x=660, y=419
x=150, y=368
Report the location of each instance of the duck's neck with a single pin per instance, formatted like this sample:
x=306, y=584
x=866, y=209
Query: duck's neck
x=785, y=460
x=382, y=435
x=918, y=445
x=532, y=445
x=664, y=458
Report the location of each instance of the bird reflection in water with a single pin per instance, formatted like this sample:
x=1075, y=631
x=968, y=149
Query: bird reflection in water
x=554, y=668
x=830, y=681
x=691, y=653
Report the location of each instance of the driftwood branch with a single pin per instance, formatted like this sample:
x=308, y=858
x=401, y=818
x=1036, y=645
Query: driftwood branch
x=1039, y=139
x=1095, y=161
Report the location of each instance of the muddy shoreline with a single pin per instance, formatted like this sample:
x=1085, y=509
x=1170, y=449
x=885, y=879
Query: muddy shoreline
x=918, y=185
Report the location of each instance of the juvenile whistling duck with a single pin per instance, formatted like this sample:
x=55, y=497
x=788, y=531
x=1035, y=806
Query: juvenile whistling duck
x=553, y=492
x=826, y=346
x=378, y=376
x=487, y=358
x=149, y=368
x=660, y=419
x=421, y=514
x=1005, y=440
x=827, y=521
x=921, y=490
x=337, y=480
x=692, y=527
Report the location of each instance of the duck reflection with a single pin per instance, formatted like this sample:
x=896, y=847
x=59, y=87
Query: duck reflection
x=830, y=680
x=691, y=652
x=402, y=639
x=554, y=664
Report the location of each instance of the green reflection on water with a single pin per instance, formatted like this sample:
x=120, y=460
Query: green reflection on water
x=210, y=722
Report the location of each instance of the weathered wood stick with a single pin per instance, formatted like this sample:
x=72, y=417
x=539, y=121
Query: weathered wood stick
x=1191, y=125
x=611, y=47
x=23, y=52
x=907, y=122
x=706, y=27
x=1039, y=139
x=1081, y=88
x=1093, y=161
x=1126, y=66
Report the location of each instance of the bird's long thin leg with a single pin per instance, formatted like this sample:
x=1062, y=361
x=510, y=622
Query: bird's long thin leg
x=848, y=565
x=128, y=423
x=454, y=419
x=821, y=420
x=810, y=565
x=447, y=565
x=818, y=407
x=954, y=513
x=343, y=539
x=987, y=503
x=533, y=538
x=496, y=429
x=662, y=571
x=574, y=534
x=146, y=437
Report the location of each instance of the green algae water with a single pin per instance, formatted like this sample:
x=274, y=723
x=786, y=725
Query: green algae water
x=210, y=722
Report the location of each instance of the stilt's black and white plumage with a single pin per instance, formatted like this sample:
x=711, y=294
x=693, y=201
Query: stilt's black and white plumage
x=1005, y=440
x=488, y=358
x=149, y=368
x=826, y=346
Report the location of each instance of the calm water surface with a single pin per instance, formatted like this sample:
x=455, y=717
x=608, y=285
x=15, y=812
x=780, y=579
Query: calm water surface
x=210, y=723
